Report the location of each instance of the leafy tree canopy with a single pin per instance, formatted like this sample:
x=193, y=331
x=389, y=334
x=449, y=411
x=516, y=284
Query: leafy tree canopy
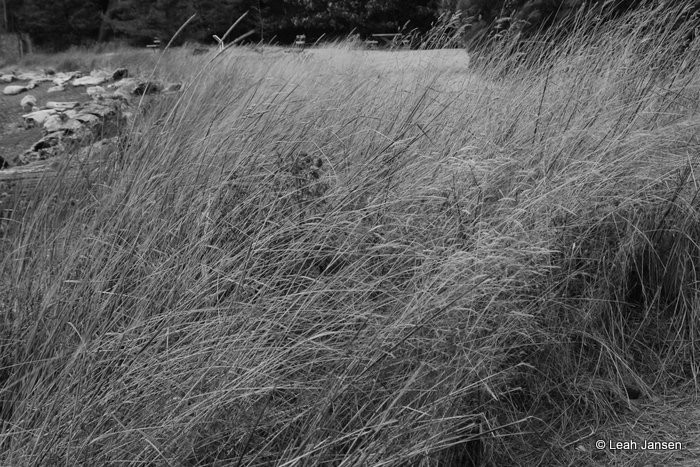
x=60, y=23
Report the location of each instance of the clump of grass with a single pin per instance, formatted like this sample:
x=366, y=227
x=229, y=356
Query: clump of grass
x=294, y=263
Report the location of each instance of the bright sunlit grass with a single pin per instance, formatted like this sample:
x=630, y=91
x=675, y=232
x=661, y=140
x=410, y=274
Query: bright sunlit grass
x=351, y=257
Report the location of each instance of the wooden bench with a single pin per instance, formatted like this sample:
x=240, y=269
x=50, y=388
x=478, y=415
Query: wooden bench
x=387, y=39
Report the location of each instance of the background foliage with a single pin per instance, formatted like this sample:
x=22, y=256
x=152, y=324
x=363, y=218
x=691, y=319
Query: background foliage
x=60, y=23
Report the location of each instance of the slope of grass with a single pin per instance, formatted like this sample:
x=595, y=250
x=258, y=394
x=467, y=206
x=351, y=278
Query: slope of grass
x=340, y=258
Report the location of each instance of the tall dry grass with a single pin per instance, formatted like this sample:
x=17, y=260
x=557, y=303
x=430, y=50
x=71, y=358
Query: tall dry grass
x=348, y=258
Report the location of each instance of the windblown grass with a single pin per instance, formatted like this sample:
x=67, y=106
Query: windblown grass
x=345, y=259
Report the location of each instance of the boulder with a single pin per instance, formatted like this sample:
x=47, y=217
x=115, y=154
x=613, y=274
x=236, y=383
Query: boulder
x=57, y=88
x=120, y=73
x=49, y=146
x=13, y=89
x=62, y=78
x=88, y=81
x=38, y=117
x=33, y=76
x=62, y=105
x=95, y=78
x=96, y=91
x=60, y=122
x=32, y=84
x=7, y=78
x=28, y=102
x=70, y=113
x=148, y=87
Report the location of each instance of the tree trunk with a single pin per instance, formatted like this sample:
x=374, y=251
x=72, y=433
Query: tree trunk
x=105, y=27
x=4, y=16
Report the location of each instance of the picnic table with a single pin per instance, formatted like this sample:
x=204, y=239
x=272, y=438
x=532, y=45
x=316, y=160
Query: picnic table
x=387, y=39
x=391, y=39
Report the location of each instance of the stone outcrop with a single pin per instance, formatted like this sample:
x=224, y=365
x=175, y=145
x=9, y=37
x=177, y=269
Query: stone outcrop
x=33, y=76
x=38, y=117
x=61, y=122
x=68, y=125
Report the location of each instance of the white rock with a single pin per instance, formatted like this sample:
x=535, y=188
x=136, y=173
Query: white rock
x=62, y=78
x=28, y=102
x=33, y=76
x=93, y=91
x=57, y=88
x=12, y=90
x=56, y=123
x=96, y=78
x=88, y=81
x=32, y=84
x=38, y=117
x=7, y=78
x=62, y=105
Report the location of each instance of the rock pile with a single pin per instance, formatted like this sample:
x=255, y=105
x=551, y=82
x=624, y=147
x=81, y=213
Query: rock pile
x=67, y=124
x=73, y=124
x=60, y=80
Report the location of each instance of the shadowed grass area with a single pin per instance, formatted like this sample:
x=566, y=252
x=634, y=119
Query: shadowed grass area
x=338, y=257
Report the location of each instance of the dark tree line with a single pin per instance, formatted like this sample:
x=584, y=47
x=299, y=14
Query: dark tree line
x=59, y=23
